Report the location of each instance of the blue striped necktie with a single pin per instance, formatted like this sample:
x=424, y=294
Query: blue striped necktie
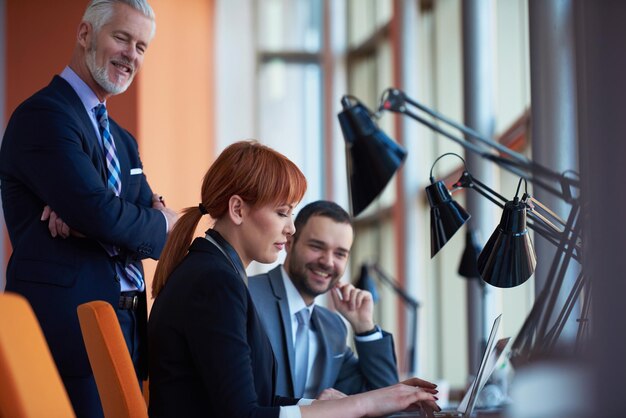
x=114, y=182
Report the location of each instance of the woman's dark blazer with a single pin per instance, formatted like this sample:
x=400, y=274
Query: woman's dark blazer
x=209, y=355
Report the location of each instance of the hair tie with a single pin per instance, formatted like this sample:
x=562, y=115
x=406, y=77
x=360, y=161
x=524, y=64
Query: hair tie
x=202, y=209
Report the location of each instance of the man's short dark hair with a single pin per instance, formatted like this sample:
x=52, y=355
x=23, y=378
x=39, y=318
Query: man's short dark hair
x=324, y=208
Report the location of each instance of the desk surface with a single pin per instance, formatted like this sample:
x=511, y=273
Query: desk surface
x=487, y=413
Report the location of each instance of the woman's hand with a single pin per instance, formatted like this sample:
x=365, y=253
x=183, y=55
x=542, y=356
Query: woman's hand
x=330, y=393
x=414, y=381
x=375, y=403
x=396, y=398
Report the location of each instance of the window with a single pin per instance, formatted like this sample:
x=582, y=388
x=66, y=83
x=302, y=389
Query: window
x=290, y=85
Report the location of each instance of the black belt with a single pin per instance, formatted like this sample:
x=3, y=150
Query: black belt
x=129, y=300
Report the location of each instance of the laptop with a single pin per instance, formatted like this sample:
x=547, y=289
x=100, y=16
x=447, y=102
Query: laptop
x=492, y=353
x=487, y=364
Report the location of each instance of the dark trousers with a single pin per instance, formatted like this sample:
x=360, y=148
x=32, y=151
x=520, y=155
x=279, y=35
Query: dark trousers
x=128, y=322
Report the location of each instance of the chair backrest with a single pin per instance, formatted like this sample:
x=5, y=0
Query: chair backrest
x=30, y=384
x=110, y=361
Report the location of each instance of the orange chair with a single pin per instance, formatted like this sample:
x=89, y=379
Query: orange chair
x=30, y=384
x=110, y=361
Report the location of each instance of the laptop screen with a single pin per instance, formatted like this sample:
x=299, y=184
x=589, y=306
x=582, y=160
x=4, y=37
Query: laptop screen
x=488, y=362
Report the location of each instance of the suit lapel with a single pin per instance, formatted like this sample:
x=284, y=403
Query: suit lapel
x=282, y=305
x=89, y=133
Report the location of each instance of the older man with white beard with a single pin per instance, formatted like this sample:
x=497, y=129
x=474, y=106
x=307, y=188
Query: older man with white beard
x=79, y=211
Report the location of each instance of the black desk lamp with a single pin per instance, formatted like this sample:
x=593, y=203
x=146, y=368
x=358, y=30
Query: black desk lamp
x=372, y=157
x=446, y=215
x=540, y=331
x=468, y=267
x=508, y=259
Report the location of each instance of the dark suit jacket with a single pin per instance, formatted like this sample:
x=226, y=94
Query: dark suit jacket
x=374, y=368
x=209, y=355
x=51, y=155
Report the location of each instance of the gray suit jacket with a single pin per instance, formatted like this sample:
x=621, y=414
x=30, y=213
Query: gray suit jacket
x=374, y=368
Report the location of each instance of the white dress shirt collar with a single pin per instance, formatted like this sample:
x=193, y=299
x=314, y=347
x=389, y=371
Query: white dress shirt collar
x=294, y=300
x=87, y=96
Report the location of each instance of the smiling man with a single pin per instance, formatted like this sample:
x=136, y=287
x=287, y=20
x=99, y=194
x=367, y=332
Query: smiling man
x=79, y=211
x=310, y=341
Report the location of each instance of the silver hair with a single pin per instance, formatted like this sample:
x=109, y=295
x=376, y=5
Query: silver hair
x=100, y=12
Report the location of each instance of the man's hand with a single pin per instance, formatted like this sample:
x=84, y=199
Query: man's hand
x=356, y=305
x=56, y=226
x=330, y=393
x=157, y=201
x=171, y=215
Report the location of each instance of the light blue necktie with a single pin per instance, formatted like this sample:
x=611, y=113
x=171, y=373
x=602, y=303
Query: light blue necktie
x=114, y=182
x=302, y=351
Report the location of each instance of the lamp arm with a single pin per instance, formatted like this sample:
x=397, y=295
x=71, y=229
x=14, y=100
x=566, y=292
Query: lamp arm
x=469, y=181
x=395, y=100
x=396, y=288
x=517, y=167
x=515, y=156
x=553, y=334
x=536, y=335
x=465, y=144
x=531, y=174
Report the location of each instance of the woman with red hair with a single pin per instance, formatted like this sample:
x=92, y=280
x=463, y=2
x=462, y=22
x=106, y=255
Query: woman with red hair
x=209, y=354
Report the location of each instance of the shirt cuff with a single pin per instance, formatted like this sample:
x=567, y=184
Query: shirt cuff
x=293, y=411
x=167, y=224
x=374, y=336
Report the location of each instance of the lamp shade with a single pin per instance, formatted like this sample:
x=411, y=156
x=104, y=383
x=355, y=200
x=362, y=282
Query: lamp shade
x=508, y=259
x=372, y=157
x=366, y=282
x=446, y=216
x=468, y=267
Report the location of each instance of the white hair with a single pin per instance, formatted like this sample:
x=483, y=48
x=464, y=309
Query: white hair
x=100, y=12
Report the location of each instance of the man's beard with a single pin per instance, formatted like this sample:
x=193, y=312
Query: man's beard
x=300, y=279
x=102, y=77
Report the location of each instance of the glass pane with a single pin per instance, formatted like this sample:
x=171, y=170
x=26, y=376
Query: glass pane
x=360, y=20
x=289, y=25
x=362, y=82
x=290, y=118
x=366, y=17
